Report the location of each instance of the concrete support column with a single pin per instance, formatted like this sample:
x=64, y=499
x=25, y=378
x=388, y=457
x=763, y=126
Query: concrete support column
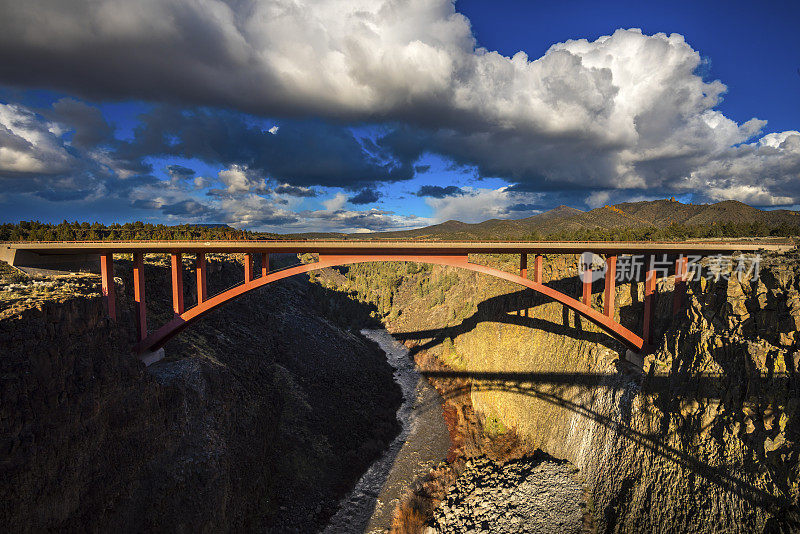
x=649, y=301
x=202, y=293
x=679, y=294
x=587, y=285
x=537, y=269
x=107, y=280
x=264, y=263
x=611, y=286
x=248, y=268
x=140, y=307
x=176, y=264
x=523, y=265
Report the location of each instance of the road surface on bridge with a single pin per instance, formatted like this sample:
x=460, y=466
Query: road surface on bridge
x=398, y=247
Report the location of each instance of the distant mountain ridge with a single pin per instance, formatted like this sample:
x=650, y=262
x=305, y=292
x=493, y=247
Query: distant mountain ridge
x=637, y=216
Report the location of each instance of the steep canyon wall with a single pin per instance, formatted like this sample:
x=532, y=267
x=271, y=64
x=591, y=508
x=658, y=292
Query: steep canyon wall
x=260, y=417
x=704, y=439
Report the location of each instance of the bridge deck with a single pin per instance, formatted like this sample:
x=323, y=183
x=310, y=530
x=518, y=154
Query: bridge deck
x=398, y=247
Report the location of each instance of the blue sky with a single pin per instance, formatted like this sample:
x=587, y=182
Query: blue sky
x=345, y=117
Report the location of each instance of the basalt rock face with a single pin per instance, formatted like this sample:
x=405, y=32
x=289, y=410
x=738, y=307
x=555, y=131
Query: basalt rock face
x=704, y=439
x=528, y=495
x=260, y=418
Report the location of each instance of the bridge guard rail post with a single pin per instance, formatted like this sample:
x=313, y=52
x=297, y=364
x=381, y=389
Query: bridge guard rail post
x=610, y=293
x=139, y=305
x=649, y=301
x=107, y=282
x=202, y=291
x=176, y=269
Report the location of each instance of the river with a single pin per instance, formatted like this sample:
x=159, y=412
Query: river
x=421, y=444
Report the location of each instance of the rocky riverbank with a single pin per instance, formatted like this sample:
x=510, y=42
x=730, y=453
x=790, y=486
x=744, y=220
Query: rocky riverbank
x=535, y=495
x=421, y=444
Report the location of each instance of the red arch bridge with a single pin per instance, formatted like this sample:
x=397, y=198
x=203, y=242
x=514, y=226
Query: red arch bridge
x=335, y=253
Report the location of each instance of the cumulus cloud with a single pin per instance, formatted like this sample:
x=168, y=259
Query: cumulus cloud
x=479, y=204
x=373, y=220
x=597, y=199
x=254, y=211
x=624, y=112
x=761, y=173
x=29, y=144
x=239, y=179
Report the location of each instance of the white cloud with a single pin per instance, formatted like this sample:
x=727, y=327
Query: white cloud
x=598, y=199
x=625, y=111
x=255, y=212
x=28, y=144
x=201, y=182
x=237, y=179
x=762, y=173
x=479, y=204
x=336, y=202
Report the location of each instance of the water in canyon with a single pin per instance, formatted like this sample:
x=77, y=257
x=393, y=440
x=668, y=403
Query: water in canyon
x=421, y=444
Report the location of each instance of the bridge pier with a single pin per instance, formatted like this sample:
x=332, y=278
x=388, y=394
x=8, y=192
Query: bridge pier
x=248, y=268
x=264, y=264
x=200, y=267
x=140, y=308
x=107, y=283
x=537, y=269
x=176, y=268
x=610, y=286
x=649, y=301
x=587, y=284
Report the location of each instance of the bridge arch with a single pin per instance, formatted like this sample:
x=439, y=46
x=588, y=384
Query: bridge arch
x=159, y=337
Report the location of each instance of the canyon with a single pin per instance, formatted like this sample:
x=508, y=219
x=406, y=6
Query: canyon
x=267, y=416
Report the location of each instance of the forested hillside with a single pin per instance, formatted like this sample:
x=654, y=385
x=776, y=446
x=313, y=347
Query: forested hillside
x=657, y=220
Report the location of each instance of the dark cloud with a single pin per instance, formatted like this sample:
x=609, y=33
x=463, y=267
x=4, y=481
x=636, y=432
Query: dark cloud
x=302, y=153
x=421, y=169
x=145, y=204
x=295, y=191
x=374, y=219
x=365, y=196
x=62, y=195
x=190, y=208
x=521, y=207
x=179, y=171
x=89, y=126
x=436, y=191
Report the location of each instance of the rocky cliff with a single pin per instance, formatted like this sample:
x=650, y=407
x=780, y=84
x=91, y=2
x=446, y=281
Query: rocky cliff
x=259, y=418
x=703, y=439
